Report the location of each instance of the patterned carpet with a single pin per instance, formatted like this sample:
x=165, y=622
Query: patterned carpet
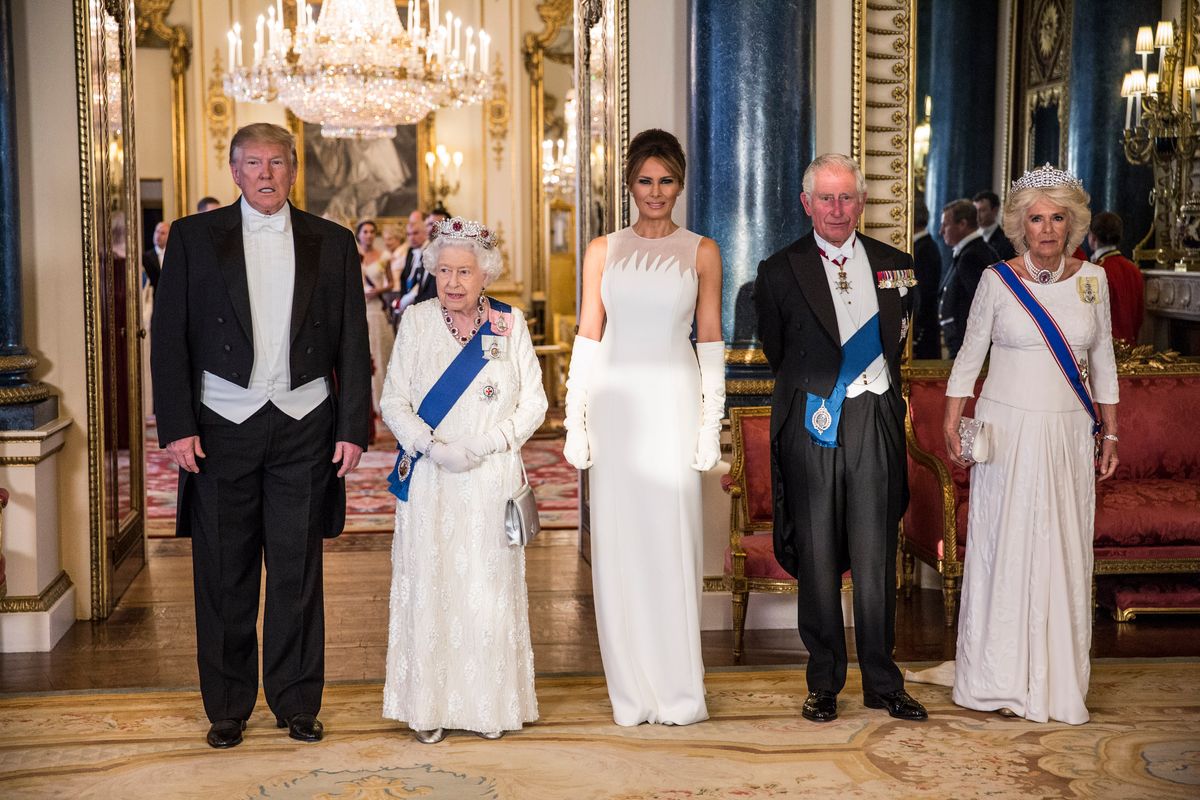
x=370, y=507
x=1143, y=742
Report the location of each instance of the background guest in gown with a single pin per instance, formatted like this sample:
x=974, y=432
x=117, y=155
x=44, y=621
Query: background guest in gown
x=834, y=338
x=970, y=256
x=1025, y=625
x=1126, y=287
x=927, y=264
x=377, y=280
x=643, y=410
x=987, y=206
x=459, y=652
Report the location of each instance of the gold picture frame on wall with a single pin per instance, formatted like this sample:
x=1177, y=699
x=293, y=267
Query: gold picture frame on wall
x=104, y=40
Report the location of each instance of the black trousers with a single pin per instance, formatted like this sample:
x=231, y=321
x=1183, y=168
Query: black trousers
x=258, y=495
x=854, y=495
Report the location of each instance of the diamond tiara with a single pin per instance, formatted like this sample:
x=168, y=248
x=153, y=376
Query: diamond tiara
x=459, y=228
x=1045, y=176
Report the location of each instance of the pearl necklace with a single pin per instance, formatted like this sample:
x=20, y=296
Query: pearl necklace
x=464, y=338
x=1044, y=276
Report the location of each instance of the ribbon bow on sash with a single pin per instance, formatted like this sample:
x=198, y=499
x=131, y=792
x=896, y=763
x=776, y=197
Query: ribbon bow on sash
x=261, y=222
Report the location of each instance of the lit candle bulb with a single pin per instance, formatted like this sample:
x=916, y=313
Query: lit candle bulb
x=470, y=58
x=1152, y=83
x=1137, y=87
x=270, y=27
x=237, y=35
x=458, y=160
x=232, y=50
x=457, y=36
x=429, y=159
x=1191, y=82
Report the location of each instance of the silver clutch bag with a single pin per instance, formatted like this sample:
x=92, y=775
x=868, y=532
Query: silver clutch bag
x=521, y=521
x=975, y=437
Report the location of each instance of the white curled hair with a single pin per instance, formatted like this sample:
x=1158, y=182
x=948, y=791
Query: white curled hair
x=488, y=258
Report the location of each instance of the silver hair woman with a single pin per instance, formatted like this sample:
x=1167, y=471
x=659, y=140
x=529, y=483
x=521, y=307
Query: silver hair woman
x=1026, y=622
x=463, y=393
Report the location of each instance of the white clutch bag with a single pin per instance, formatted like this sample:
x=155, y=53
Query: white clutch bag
x=975, y=437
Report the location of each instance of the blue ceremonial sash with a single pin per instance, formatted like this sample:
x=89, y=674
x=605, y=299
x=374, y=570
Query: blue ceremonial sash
x=822, y=414
x=442, y=396
x=1053, y=336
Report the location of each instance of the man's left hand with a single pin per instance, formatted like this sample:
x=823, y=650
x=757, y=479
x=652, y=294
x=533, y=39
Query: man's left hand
x=349, y=454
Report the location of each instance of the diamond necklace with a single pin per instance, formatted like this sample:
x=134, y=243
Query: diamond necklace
x=464, y=338
x=1044, y=276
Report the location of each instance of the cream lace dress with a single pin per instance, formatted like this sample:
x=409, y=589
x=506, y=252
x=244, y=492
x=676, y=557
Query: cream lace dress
x=379, y=330
x=1025, y=627
x=459, y=654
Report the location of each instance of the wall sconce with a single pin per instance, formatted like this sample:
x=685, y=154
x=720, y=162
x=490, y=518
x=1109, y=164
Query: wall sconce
x=438, y=164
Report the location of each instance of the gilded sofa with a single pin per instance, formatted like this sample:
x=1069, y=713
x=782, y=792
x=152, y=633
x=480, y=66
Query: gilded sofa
x=1147, y=515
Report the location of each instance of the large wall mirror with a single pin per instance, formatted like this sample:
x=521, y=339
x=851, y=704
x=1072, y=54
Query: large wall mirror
x=111, y=279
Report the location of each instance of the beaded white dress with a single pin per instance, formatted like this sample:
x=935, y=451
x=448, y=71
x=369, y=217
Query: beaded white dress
x=379, y=330
x=1025, y=626
x=459, y=653
x=643, y=420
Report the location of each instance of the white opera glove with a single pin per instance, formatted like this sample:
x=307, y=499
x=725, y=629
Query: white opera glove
x=453, y=457
x=711, y=356
x=485, y=444
x=576, y=449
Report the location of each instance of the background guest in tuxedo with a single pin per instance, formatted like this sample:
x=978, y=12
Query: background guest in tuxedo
x=260, y=306
x=1126, y=287
x=152, y=258
x=927, y=264
x=416, y=283
x=971, y=256
x=839, y=471
x=987, y=206
x=207, y=204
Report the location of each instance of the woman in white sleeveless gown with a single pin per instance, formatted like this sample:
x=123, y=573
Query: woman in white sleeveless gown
x=644, y=411
x=1025, y=627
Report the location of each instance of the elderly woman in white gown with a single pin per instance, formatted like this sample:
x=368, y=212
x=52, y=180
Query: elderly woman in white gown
x=463, y=393
x=1026, y=622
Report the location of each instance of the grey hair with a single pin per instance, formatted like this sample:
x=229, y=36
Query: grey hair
x=488, y=258
x=834, y=161
x=1072, y=198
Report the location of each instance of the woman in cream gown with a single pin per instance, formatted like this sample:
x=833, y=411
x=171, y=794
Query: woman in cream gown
x=459, y=652
x=377, y=279
x=644, y=410
x=1025, y=626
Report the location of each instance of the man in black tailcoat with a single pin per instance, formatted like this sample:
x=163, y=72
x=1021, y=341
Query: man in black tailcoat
x=262, y=390
x=835, y=298
x=970, y=256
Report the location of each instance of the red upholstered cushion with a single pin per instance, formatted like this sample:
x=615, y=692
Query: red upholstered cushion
x=1148, y=591
x=756, y=454
x=1145, y=552
x=760, y=558
x=1154, y=512
x=1156, y=416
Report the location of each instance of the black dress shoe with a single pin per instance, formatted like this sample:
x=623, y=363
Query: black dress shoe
x=226, y=733
x=820, y=706
x=302, y=727
x=900, y=704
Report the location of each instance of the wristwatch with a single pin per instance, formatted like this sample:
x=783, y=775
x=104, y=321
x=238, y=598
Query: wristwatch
x=1111, y=437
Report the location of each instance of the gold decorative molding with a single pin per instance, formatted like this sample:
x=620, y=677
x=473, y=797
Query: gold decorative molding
x=32, y=393
x=29, y=461
x=1144, y=360
x=744, y=356
x=218, y=108
x=43, y=601
x=153, y=30
x=750, y=386
x=17, y=363
x=882, y=105
x=497, y=111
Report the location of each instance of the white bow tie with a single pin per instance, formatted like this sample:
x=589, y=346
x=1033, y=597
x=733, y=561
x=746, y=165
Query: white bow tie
x=260, y=222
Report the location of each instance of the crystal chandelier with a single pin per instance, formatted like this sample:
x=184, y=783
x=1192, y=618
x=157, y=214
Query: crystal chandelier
x=358, y=72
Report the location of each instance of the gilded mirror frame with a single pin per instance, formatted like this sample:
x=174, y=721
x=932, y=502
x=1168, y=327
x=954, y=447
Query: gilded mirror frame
x=154, y=31
x=108, y=184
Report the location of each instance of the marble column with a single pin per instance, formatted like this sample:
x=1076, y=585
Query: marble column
x=23, y=404
x=750, y=136
x=1103, y=36
x=962, y=83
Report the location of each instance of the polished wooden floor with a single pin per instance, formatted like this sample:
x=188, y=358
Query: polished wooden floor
x=149, y=640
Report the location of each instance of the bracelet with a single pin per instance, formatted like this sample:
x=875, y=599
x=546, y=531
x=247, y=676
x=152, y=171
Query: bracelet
x=1111, y=437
